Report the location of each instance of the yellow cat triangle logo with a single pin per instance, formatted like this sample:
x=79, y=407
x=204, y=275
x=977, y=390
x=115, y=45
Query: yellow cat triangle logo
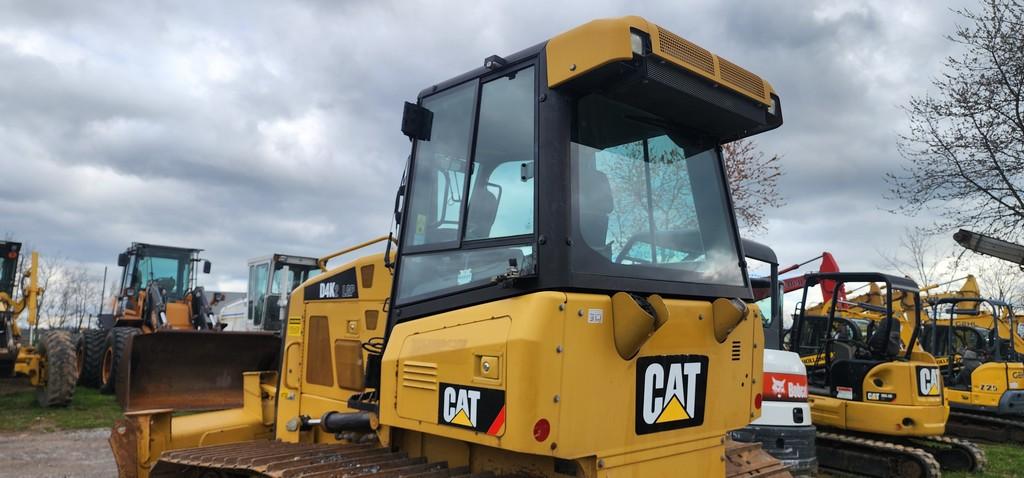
x=462, y=419
x=673, y=411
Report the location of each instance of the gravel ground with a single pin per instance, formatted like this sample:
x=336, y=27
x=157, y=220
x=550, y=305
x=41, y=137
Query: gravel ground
x=76, y=453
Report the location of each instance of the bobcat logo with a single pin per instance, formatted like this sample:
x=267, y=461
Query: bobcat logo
x=778, y=387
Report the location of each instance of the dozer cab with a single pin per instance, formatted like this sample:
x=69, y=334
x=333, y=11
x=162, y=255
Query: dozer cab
x=264, y=304
x=161, y=312
x=876, y=397
x=53, y=364
x=566, y=298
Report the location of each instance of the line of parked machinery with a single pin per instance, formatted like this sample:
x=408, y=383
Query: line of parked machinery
x=616, y=331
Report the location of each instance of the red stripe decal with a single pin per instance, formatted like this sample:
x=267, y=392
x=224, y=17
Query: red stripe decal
x=499, y=422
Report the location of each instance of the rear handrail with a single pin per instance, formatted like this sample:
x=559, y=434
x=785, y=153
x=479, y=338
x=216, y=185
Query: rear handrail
x=322, y=262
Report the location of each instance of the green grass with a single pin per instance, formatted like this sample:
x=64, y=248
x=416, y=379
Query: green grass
x=1004, y=461
x=88, y=409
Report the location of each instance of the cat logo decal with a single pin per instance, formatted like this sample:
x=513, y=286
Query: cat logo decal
x=670, y=392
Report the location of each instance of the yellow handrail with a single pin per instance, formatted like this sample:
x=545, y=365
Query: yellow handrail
x=322, y=262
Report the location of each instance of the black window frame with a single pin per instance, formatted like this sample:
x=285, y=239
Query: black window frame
x=529, y=240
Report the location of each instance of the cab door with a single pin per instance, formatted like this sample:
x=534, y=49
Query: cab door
x=257, y=292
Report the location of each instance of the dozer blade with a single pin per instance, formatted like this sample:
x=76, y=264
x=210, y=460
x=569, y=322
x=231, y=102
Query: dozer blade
x=192, y=370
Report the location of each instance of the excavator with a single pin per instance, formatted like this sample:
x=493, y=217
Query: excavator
x=876, y=396
x=161, y=311
x=564, y=297
x=979, y=344
x=52, y=367
x=983, y=372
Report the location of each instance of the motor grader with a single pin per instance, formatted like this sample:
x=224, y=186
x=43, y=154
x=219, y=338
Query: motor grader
x=565, y=296
x=52, y=367
x=161, y=311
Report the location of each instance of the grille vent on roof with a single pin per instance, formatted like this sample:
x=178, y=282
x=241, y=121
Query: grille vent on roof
x=718, y=68
x=686, y=51
x=741, y=78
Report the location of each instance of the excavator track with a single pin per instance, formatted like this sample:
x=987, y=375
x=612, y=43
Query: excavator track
x=953, y=454
x=749, y=460
x=985, y=427
x=274, y=459
x=851, y=454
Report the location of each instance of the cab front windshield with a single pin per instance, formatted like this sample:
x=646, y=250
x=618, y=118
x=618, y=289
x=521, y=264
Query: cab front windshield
x=650, y=200
x=170, y=270
x=7, y=268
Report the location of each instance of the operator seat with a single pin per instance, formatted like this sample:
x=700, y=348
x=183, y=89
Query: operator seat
x=483, y=209
x=596, y=203
x=882, y=345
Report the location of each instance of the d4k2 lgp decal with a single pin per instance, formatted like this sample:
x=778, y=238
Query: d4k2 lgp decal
x=671, y=391
x=480, y=409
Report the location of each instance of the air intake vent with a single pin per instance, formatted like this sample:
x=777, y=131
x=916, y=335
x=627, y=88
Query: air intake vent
x=737, y=350
x=741, y=78
x=686, y=52
x=698, y=60
x=421, y=375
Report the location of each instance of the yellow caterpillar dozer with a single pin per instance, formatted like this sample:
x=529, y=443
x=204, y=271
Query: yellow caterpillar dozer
x=54, y=365
x=876, y=396
x=566, y=298
x=161, y=312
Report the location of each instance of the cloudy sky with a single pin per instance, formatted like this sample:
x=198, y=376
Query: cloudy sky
x=246, y=127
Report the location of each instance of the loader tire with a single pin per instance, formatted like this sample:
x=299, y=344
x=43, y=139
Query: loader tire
x=117, y=347
x=58, y=352
x=94, y=343
x=6, y=368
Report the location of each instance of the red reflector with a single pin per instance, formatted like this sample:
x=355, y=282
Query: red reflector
x=785, y=387
x=12, y=255
x=757, y=401
x=541, y=430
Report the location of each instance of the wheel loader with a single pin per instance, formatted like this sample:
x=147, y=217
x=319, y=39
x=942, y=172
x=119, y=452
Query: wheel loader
x=161, y=311
x=564, y=297
x=52, y=367
x=263, y=305
x=876, y=396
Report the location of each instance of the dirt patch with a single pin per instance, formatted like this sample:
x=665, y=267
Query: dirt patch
x=14, y=385
x=73, y=453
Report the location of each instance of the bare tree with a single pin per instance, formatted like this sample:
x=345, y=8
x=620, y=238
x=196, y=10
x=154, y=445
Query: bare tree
x=754, y=180
x=965, y=148
x=1000, y=280
x=918, y=257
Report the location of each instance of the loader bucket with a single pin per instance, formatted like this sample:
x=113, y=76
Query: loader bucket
x=192, y=370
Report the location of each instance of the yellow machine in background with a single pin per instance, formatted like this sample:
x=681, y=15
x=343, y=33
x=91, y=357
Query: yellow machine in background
x=876, y=399
x=981, y=357
x=566, y=298
x=53, y=366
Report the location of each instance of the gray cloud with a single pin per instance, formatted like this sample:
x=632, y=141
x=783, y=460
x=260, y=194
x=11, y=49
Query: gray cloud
x=250, y=127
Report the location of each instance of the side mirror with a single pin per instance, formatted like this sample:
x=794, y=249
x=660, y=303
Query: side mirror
x=122, y=260
x=206, y=267
x=417, y=121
